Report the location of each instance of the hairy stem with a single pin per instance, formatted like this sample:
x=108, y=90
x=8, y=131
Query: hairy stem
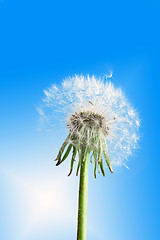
x=83, y=192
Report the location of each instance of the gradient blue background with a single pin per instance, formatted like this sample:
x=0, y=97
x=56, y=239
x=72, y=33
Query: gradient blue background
x=41, y=42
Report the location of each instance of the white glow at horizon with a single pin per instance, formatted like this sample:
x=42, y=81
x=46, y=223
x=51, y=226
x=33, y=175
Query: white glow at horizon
x=40, y=202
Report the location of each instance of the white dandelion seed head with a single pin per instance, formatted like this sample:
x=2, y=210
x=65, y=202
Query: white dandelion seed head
x=93, y=107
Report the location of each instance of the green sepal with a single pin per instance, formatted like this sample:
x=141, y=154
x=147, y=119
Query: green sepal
x=91, y=158
x=106, y=156
x=62, y=149
x=82, y=155
x=65, y=155
x=79, y=162
x=72, y=160
x=100, y=161
x=101, y=167
x=95, y=162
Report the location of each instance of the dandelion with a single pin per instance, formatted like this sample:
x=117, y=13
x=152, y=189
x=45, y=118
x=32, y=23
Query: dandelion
x=102, y=126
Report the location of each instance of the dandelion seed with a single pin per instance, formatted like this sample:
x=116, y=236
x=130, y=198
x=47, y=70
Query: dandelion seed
x=95, y=111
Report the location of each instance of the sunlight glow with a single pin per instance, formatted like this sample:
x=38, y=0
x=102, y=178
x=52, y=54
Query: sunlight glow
x=40, y=202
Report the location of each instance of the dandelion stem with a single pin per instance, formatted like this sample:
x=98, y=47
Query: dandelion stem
x=83, y=193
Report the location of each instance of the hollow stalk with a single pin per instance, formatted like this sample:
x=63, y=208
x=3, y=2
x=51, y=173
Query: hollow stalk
x=83, y=194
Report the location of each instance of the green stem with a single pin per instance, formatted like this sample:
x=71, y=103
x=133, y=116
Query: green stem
x=83, y=192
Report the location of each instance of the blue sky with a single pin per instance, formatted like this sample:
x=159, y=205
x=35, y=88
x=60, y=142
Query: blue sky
x=41, y=42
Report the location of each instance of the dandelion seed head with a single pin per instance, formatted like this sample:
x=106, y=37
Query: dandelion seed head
x=94, y=109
